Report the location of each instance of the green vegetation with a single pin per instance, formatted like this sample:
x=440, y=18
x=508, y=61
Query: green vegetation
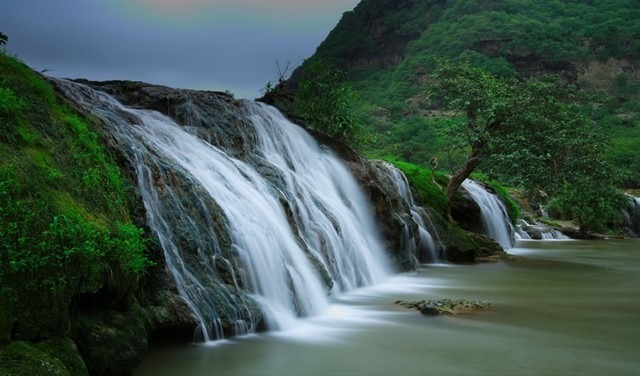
x=322, y=101
x=3, y=39
x=389, y=50
x=65, y=227
x=530, y=135
x=428, y=187
x=533, y=55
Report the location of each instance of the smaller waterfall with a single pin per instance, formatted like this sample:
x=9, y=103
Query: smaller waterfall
x=520, y=233
x=632, y=218
x=495, y=219
x=636, y=228
x=537, y=231
x=554, y=235
x=426, y=246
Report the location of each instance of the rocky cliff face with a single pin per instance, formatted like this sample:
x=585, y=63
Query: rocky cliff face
x=376, y=33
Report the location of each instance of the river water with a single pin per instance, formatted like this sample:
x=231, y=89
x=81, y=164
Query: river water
x=573, y=308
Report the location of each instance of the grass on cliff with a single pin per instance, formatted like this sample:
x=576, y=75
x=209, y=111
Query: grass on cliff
x=420, y=179
x=65, y=227
x=433, y=196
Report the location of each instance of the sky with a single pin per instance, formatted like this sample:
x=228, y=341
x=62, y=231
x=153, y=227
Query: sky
x=225, y=45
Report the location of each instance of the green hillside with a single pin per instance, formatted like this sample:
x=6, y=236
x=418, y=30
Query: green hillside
x=68, y=239
x=389, y=48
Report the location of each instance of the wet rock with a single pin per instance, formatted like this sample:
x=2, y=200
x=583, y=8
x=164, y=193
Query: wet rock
x=468, y=247
x=111, y=342
x=26, y=358
x=445, y=306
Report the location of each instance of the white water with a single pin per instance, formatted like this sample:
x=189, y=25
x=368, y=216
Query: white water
x=635, y=226
x=520, y=234
x=495, y=219
x=546, y=232
x=554, y=235
x=426, y=245
x=292, y=206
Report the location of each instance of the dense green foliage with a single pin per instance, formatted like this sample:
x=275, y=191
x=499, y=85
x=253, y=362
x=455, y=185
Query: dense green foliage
x=65, y=227
x=389, y=48
x=529, y=134
x=321, y=101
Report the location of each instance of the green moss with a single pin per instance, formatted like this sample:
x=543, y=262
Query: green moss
x=65, y=227
x=464, y=246
x=112, y=342
x=66, y=352
x=23, y=358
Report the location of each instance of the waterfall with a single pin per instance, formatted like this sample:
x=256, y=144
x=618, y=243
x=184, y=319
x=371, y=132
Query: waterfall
x=495, y=219
x=537, y=231
x=424, y=245
x=521, y=233
x=257, y=228
x=633, y=217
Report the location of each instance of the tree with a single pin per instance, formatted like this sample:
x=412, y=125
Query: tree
x=323, y=100
x=319, y=99
x=3, y=39
x=527, y=133
x=483, y=100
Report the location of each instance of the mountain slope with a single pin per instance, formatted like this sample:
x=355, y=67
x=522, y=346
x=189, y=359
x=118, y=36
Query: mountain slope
x=388, y=48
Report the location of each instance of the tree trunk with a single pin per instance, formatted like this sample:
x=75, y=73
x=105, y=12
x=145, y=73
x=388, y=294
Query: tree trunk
x=461, y=175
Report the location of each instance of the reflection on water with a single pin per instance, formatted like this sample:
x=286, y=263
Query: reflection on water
x=572, y=309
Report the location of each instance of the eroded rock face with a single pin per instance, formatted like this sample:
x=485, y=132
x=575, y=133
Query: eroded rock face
x=466, y=212
x=391, y=213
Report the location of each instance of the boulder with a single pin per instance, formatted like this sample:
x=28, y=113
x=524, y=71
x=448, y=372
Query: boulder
x=445, y=306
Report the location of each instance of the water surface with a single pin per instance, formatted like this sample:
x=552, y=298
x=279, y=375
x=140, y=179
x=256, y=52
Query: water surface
x=572, y=309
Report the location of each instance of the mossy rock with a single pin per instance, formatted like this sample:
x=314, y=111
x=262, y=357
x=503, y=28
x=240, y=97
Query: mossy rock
x=467, y=247
x=111, y=342
x=6, y=322
x=24, y=358
x=66, y=351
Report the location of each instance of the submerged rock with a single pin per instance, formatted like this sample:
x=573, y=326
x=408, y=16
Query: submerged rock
x=445, y=306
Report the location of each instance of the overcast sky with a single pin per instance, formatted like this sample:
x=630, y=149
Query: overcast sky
x=200, y=44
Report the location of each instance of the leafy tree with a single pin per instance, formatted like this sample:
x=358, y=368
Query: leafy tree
x=483, y=100
x=527, y=133
x=388, y=64
x=323, y=100
x=320, y=100
x=3, y=39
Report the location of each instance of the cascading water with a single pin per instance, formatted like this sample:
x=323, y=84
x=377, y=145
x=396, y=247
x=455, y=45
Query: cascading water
x=425, y=245
x=258, y=235
x=537, y=231
x=495, y=219
x=633, y=217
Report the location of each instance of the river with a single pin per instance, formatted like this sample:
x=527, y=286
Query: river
x=572, y=308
